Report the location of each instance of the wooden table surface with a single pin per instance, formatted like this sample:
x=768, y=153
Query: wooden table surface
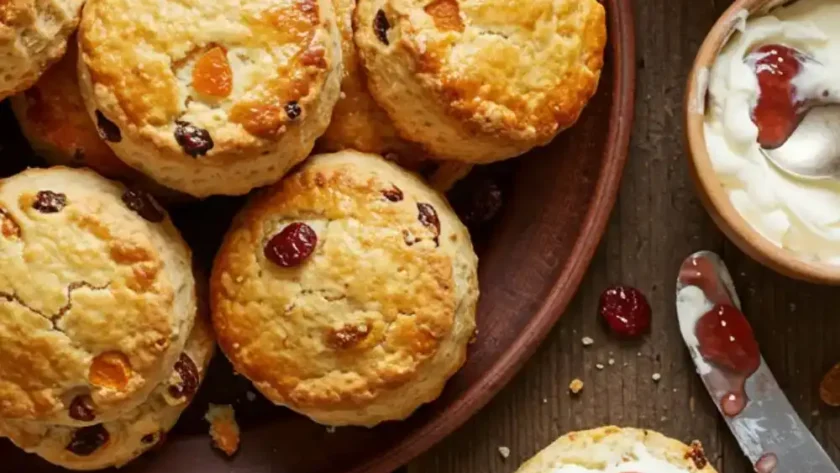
x=657, y=222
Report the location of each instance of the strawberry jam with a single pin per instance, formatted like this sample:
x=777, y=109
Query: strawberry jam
x=727, y=340
x=778, y=110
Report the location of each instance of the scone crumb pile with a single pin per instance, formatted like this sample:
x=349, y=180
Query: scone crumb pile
x=223, y=428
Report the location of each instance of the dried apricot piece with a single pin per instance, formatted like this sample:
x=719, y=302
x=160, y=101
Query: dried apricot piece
x=110, y=370
x=212, y=75
x=830, y=387
x=446, y=14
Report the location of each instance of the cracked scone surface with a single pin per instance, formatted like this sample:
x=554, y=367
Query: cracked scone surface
x=135, y=432
x=372, y=324
x=33, y=35
x=95, y=301
x=230, y=95
x=477, y=80
x=603, y=448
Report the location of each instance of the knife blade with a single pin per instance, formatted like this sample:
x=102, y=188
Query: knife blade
x=767, y=428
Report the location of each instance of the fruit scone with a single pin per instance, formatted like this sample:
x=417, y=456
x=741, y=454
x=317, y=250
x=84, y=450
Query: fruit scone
x=346, y=292
x=33, y=35
x=481, y=80
x=359, y=123
x=55, y=121
x=119, y=441
x=210, y=97
x=97, y=297
x=618, y=450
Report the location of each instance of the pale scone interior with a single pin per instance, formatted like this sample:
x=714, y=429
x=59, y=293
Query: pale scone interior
x=615, y=450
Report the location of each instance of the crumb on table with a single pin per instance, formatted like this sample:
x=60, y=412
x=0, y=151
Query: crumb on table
x=576, y=386
x=223, y=428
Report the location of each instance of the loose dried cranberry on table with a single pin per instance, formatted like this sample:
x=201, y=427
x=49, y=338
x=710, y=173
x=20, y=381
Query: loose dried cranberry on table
x=144, y=205
x=292, y=245
x=381, y=25
x=293, y=110
x=108, y=130
x=188, y=372
x=393, y=194
x=194, y=141
x=49, y=202
x=81, y=408
x=87, y=440
x=625, y=311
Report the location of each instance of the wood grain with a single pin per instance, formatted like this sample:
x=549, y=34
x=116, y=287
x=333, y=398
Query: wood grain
x=656, y=224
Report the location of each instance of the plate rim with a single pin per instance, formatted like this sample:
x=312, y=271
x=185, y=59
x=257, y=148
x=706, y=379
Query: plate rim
x=622, y=31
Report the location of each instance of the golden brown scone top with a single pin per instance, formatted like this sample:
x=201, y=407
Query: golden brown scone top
x=372, y=324
x=210, y=97
x=53, y=117
x=33, y=35
x=600, y=448
x=358, y=122
x=95, y=300
x=117, y=442
x=498, y=69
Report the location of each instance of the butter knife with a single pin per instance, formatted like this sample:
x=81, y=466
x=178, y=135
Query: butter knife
x=759, y=415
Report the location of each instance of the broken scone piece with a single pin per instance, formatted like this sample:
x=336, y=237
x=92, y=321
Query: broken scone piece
x=615, y=449
x=223, y=428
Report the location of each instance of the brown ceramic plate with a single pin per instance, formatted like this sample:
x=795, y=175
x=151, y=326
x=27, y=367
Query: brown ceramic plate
x=533, y=257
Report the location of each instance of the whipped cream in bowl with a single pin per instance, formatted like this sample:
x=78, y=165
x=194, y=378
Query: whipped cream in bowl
x=760, y=70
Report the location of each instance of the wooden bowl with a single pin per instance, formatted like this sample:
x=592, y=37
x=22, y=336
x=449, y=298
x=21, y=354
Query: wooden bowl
x=533, y=256
x=711, y=191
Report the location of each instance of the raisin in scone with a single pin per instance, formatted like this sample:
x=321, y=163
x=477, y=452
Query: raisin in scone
x=97, y=297
x=33, y=35
x=53, y=118
x=481, y=80
x=614, y=449
x=347, y=291
x=120, y=441
x=210, y=97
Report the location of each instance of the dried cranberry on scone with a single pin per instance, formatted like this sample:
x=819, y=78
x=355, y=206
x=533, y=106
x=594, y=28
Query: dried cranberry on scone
x=347, y=291
x=211, y=97
x=96, y=300
x=481, y=81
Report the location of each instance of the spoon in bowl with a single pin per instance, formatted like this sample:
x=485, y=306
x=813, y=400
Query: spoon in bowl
x=813, y=150
x=798, y=111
